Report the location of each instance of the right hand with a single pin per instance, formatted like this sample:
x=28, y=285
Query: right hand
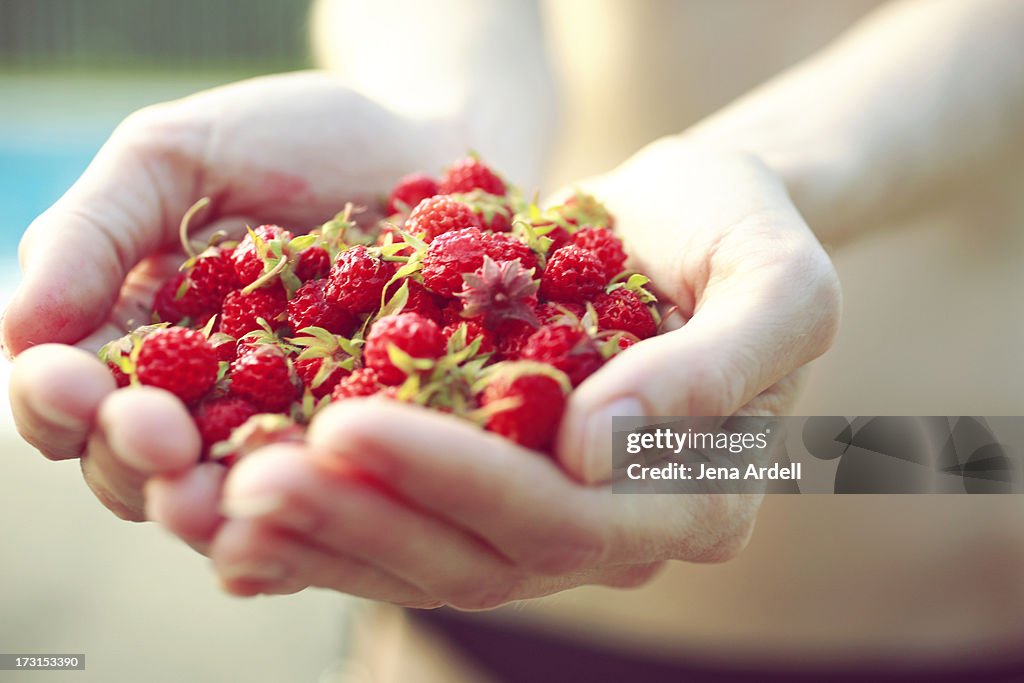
x=288, y=149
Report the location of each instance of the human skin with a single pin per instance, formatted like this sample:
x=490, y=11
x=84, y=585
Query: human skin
x=833, y=165
x=738, y=243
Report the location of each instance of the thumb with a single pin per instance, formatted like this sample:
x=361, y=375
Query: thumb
x=75, y=256
x=757, y=320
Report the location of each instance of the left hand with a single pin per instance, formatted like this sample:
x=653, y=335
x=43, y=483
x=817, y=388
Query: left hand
x=391, y=502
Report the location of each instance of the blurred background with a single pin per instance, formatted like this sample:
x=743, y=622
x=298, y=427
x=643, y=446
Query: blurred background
x=75, y=579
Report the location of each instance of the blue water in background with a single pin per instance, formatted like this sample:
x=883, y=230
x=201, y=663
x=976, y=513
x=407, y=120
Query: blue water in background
x=35, y=172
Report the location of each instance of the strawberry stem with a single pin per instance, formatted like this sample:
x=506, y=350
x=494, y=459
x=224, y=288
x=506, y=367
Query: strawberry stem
x=186, y=244
x=268, y=276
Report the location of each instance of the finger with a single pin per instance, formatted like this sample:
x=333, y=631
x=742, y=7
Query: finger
x=55, y=393
x=251, y=557
x=331, y=507
x=125, y=206
x=770, y=305
x=516, y=500
x=187, y=503
x=141, y=432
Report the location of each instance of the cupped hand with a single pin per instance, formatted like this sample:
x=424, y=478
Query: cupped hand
x=286, y=149
x=393, y=503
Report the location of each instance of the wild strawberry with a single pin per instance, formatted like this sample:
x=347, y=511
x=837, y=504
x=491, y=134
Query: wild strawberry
x=510, y=337
x=242, y=310
x=256, y=432
x=313, y=262
x=410, y=191
x=535, y=403
x=559, y=237
x=449, y=256
x=426, y=304
x=494, y=213
x=411, y=333
x=357, y=280
x=437, y=215
x=573, y=274
x=474, y=331
x=216, y=418
x=565, y=313
x=567, y=348
x=496, y=292
x=501, y=247
x=120, y=377
x=603, y=244
x=470, y=174
x=248, y=260
x=622, y=309
x=324, y=359
x=308, y=370
x=169, y=307
x=179, y=360
x=584, y=209
x=263, y=376
x=362, y=382
x=311, y=308
x=213, y=277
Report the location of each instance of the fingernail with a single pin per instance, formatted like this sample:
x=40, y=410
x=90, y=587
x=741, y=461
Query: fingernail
x=597, y=439
x=274, y=508
x=261, y=570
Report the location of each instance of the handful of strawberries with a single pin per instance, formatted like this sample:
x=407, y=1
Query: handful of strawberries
x=467, y=299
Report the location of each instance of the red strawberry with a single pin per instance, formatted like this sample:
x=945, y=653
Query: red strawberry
x=501, y=247
x=559, y=237
x=470, y=174
x=440, y=214
x=494, y=213
x=216, y=418
x=311, y=308
x=256, y=432
x=241, y=311
x=423, y=302
x=313, y=262
x=449, y=256
x=567, y=313
x=567, y=348
x=247, y=260
x=573, y=274
x=623, y=310
x=584, y=209
x=263, y=376
x=417, y=336
x=122, y=379
x=510, y=337
x=357, y=280
x=179, y=360
x=213, y=277
x=533, y=422
x=168, y=307
x=605, y=246
x=410, y=191
x=474, y=331
x=308, y=369
x=362, y=382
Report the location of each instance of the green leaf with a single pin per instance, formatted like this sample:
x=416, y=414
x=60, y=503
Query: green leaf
x=396, y=303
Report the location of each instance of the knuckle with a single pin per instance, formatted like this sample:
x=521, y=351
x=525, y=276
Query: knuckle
x=486, y=594
x=583, y=550
x=729, y=519
x=634, y=576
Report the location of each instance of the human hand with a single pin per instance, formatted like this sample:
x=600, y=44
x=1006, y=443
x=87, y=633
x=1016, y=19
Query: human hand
x=284, y=149
x=393, y=503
